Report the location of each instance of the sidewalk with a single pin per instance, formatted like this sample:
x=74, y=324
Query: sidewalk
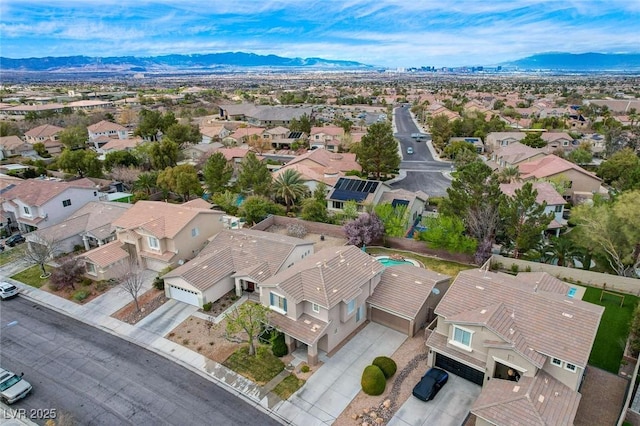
x=150, y=333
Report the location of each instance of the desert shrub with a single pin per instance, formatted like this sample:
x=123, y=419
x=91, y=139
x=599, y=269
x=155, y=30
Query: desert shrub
x=373, y=381
x=305, y=369
x=296, y=230
x=80, y=295
x=207, y=306
x=86, y=281
x=67, y=275
x=514, y=268
x=158, y=283
x=278, y=346
x=386, y=364
x=101, y=286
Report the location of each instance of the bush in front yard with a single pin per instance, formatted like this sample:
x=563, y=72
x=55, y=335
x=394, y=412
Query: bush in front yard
x=158, y=283
x=207, y=306
x=386, y=364
x=80, y=295
x=278, y=346
x=373, y=381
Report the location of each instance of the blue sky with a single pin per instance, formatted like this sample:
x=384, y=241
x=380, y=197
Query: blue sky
x=392, y=33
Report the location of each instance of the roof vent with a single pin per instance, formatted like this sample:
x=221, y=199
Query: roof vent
x=516, y=388
x=418, y=282
x=541, y=399
x=484, y=311
x=479, y=287
x=394, y=275
x=564, y=314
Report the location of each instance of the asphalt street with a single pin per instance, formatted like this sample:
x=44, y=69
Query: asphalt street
x=100, y=379
x=424, y=173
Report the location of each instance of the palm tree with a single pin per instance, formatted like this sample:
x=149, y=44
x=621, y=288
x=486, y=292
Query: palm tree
x=146, y=182
x=509, y=174
x=290, y=187
x=563, y=249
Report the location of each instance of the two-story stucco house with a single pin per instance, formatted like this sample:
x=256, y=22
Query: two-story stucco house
x=103, y=131
x=363, y=192
x=157, y=235
x=530, y=334
x=328, y=137
x=239, y=259
x=39, y=203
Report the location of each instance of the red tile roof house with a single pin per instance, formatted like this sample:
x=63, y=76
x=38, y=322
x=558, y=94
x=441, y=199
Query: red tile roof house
x=42, y=133
x=328, y=137
x=516, y=153
x=39, y=203
x=11, y=146
x=320, y=300
x=490, y=325
x=546, y=194
x=582, y=184
x=234, y=259
x=157, y=234
x=554, y=140
x=103, y=131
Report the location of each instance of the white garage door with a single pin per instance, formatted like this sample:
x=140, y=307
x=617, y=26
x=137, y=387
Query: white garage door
x=186, y=296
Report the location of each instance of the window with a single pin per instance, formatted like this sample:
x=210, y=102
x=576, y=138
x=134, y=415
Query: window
x=26, y=210
x=95, y=193
x=558, y=209
x=278, y=302
x=66, y=203
x=91, y=268
x=570, y=367
x=556, y=362
x=461, y=337
x=360, y=314
x=154, y=244
x=351, y=306
x=195, y=232
x=338, y=205
x=315, y=307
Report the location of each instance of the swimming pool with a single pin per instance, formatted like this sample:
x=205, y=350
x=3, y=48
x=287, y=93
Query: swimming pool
x=387, y=261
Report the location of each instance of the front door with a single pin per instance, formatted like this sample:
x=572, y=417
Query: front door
x=251, y=287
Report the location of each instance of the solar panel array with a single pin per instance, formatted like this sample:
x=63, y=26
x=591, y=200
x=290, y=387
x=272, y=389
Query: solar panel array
x=295, y=135
x=353, y=189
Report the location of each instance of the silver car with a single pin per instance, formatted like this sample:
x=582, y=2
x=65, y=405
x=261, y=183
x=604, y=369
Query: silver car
x=12, y=386
x=7, y=290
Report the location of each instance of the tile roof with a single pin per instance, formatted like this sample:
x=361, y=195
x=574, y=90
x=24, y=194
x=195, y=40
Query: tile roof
x=517, y=152
x=537, y=323
x=438, y=342
x=163, y=220
x=43, y=131
x=331, y=276
x=11, y=142
x=399, y=281
x=36, y=192
x=242, y=252
x=550, y=165
x=309, y=173
x=231, y=153
x=343, y=162
x=106, y=126
x=106, y=255
x=546, y=192
x=120, y=144
x=306, y=328
x=402, y=194
x=532, y=401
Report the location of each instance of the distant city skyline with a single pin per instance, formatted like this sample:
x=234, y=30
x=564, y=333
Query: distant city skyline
x=387, y=33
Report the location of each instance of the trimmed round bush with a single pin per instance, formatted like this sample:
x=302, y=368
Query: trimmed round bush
x=386, y=364
x=373, y=381
x=278, y=345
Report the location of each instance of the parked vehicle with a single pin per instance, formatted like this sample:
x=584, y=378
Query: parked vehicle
x=7, y=290
x=14, y=239
x=409, y=150
x=12, y=386
x=430, y=384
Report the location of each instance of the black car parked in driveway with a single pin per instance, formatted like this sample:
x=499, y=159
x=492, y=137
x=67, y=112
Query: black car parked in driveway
x=14, y=239
x=430, y=384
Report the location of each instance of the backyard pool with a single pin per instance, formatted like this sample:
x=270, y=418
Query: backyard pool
x=393, y=261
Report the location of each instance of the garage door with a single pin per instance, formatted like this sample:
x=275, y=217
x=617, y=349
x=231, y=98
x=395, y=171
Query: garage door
x=186, y=296
x=392, y=321
x=460, y=369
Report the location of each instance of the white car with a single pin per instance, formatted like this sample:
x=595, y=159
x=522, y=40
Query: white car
x=7, y=290
x=12, y=386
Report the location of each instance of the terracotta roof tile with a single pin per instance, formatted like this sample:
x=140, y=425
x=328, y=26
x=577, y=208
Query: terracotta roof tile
x=546, y=192
x=36, y=192
x=550, y=165
x=306, y=328
x=106, y=255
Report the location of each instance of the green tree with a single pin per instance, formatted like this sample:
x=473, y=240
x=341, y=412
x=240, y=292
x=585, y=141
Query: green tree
x=181, y=180
x=227, y=201
x=74, y=137
x=146, y=182
x=314, y=210
x=474, y=197
x=152, y=123
x=164, y=154
x=119, y=158
x=447, y=232
x=378, y=150
x=563, y=250
x=41, y=150
x=455, y=148
x=248, y=320
x=217, y=172
x=9, y=129
x=441, y=131
x=80, y=162
x=395, y=219
x=523, y=219
x=613, y=230
x=303, y=124
x=580, y=156
x=621, y=170
x=290, y=187
x=257, y=207
x=534, y=140
x=254, y=177
x=510, y=174
x=183, y=134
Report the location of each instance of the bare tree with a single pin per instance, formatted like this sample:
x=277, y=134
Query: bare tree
x=248, y=318
x=40, y=249
x=131, y=280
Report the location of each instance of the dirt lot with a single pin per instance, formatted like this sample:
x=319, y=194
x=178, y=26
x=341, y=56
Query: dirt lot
x=411, y=360
x=148, y=302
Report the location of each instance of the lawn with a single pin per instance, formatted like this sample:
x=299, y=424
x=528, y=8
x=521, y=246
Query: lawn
x=608, y=347
x=288, y=386
x=260, y=368
x=441, y=266
x=31, y=276
x=9, y=256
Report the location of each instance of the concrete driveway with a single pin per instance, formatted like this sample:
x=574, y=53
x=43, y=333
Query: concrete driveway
x=449, y=408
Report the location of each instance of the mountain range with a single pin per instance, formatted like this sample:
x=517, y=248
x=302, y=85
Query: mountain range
x=594, y=62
